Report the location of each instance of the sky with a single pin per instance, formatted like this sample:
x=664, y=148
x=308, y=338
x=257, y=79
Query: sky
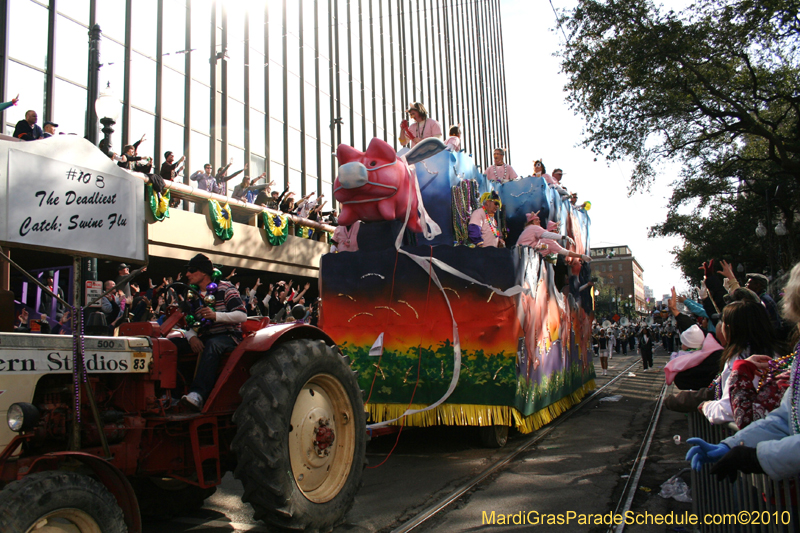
x=541, y=125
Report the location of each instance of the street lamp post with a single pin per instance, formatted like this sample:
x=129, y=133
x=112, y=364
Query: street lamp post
x=93, y=83
x=780, y=231
x=107, y=108
x=762, y=231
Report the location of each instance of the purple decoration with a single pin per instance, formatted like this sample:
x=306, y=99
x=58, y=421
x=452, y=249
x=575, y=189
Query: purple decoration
x=211, y=288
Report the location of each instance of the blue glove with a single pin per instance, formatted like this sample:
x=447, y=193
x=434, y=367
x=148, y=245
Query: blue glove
x=704, y=453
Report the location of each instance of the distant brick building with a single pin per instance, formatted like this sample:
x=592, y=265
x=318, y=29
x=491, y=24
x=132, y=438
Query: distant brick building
x=620, y=269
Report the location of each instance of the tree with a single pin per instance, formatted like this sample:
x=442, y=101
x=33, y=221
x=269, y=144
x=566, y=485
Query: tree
x=691, y=84
x=727, y=208
x=715, y=87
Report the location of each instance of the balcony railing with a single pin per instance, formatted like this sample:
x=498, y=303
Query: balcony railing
x=188, y=192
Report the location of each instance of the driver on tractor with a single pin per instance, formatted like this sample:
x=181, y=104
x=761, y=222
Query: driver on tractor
x=226, y=314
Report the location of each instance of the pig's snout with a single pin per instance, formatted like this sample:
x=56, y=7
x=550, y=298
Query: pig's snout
x=353, y=175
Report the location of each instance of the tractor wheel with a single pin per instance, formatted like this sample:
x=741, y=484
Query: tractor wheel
x=59, y=502
x=494, y=436
x=153, y=492
x=300, y=437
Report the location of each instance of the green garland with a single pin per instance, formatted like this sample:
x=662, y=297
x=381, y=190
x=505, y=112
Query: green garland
x=277, y=227
x=221, y=219
x=159, y=206
x=304, y=232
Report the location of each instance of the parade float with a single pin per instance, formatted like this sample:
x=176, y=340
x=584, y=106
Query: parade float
x=441, y=332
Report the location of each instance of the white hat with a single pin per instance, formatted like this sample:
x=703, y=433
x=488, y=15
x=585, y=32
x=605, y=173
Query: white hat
x=693, y=337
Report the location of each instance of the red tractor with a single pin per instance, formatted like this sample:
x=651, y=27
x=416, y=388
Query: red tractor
x=286, y=417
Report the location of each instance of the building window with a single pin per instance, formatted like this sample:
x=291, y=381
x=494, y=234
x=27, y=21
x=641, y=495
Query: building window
x=602, y=268
x=621, y=280
x=309, y=77
x=620, y=267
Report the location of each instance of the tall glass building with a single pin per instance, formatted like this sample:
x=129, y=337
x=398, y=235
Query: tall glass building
x=274, y=83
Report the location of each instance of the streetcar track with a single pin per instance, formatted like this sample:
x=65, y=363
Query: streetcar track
x=444, y=502
x=631, y=485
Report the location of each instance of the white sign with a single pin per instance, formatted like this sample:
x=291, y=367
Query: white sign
x=93, y=290
x=60, y=362
x=73, y=206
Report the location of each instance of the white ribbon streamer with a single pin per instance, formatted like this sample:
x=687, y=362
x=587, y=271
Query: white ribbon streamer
x=427, y=264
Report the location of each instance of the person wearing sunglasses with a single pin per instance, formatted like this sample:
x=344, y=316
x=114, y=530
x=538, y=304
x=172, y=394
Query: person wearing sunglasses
x=482, y=229
x=226, y=315
x=539, y=171
x=423, y=127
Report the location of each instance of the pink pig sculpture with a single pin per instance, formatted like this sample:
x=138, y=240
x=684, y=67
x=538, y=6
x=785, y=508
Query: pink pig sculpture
x=377, y=185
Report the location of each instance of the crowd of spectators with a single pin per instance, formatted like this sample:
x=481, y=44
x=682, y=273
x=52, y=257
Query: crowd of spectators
x=217, y=183
x=27, y=129
x=151, y=301
x=732, y=360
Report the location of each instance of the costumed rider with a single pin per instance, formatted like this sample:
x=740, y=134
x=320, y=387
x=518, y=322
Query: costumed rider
x=345, y=238
x=226, y=314
x=453, y=143
x=483, y=230
x=544, y=240
x=500, y=172
x=422, y=128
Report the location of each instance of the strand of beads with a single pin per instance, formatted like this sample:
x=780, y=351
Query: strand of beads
x=83, y=344
x=210, y=300
x=775, y=366
x=455, y=200
x=470, y=201
x=795, y=385
x=493, y=225
x=75, y=333
x=194, y=304
x=461, y=202
x=193, y=298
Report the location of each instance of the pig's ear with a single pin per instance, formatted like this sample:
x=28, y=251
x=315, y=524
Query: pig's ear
x=380, y=150
x=347, y=154
x=424, y=149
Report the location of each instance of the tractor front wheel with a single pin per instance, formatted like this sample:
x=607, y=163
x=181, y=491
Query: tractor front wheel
x=59, y=502
x=301, y=437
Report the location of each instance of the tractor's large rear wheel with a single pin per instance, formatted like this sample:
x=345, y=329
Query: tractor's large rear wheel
x=300, y=438
x=59, y=502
